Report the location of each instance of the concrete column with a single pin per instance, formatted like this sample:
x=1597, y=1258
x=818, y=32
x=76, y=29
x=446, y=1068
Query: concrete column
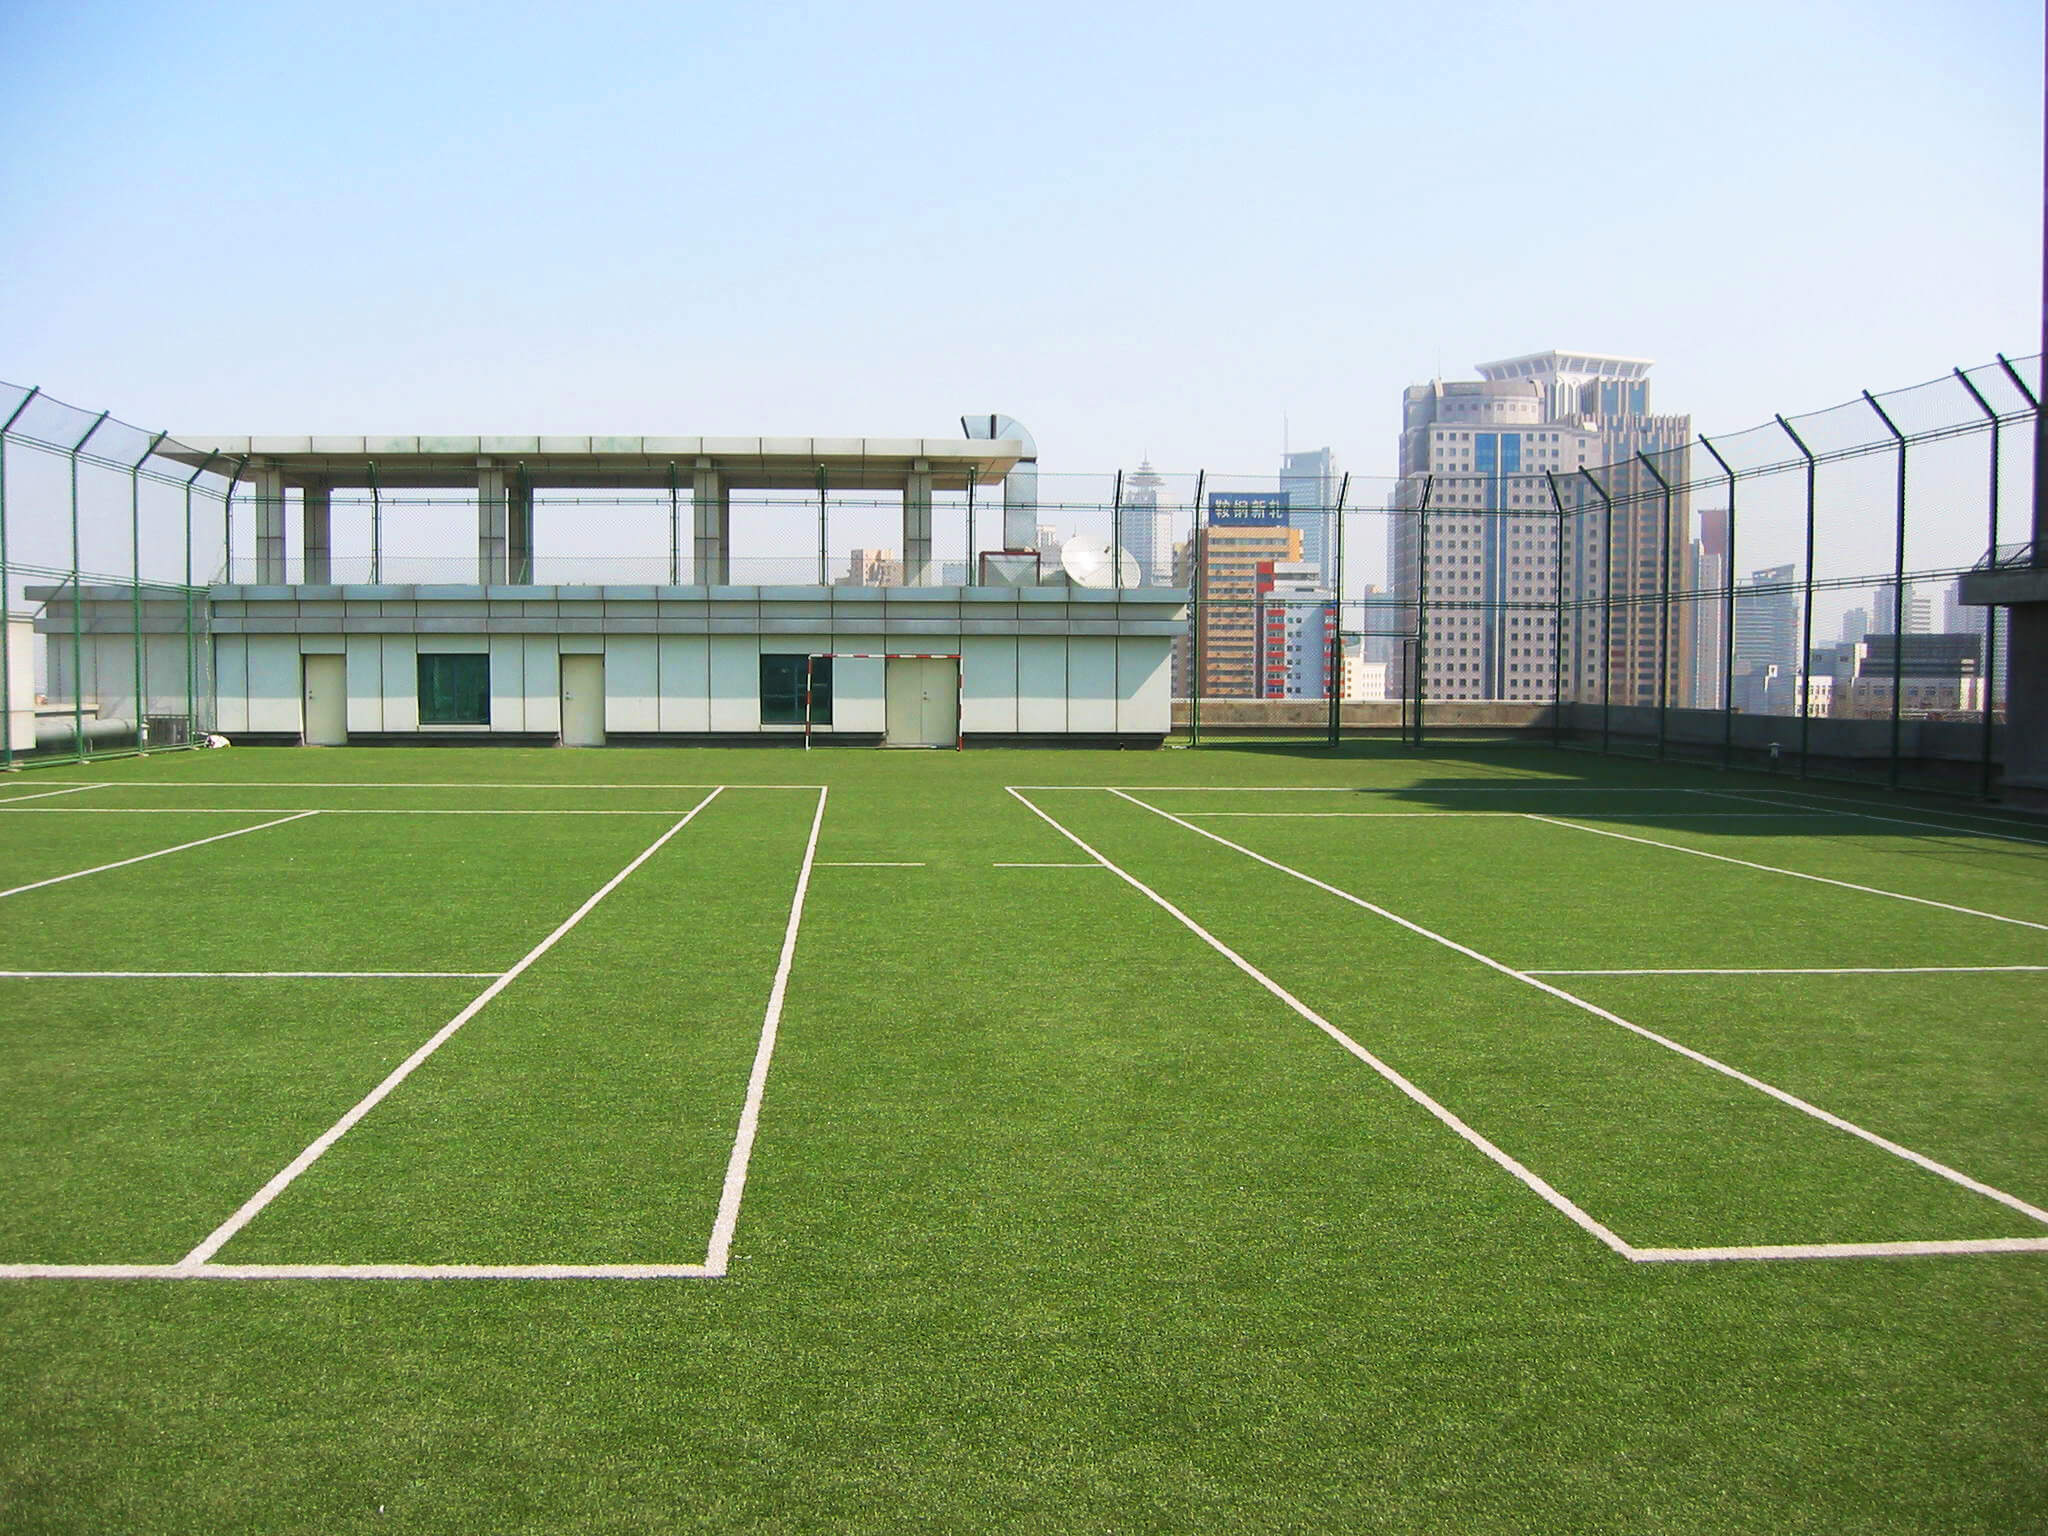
x=316, y=537
x=711, y=510
x=268, y=499
x=2025, y=780
x=917, y=525
x=519, y=532
x=492, y=569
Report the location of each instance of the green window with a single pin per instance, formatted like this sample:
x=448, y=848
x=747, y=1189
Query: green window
x=455, y=689
x=782, y=690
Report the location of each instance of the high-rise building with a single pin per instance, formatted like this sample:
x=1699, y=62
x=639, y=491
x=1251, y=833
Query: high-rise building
x=1220, y=563
x=1957, y=618
x=1707, y=622
x=1855, y=625
x=1147, y=528
x=1309, y=481
x=1919, y=612
x=1491, y=461
x=1767, y=630
x=874, y=568
x=1294, y=627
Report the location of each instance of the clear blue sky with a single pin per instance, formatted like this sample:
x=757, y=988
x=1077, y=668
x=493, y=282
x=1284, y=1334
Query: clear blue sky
x=1136, y=227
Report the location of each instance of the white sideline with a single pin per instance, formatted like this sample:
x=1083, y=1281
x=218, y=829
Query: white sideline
x=1051, y=866
x=1918, y=1159
x=251, y=1207
x=720, y=1251
x=1774, y=869
x=49, y=794
x=378, y=784
x=324, y=810
x=353, y=1272
x=865, y=864
x=247, y=975
x=1803, y=970
x=1547, y=1192
x=1378, y=789
x=79, y=874
x=1395, y=815
x=1904, y=821
x=1842, y=1250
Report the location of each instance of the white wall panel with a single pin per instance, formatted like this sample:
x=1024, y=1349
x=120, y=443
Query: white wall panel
x=735, y=683
x=231, y=683
x=1144, y=683
x=685, y=683
x=1091, y=683
x=632, y=682
x=857, y=686
x=1041, y=682
x=365, y=683
x=276, y=701
x=508, y=683
x=401, y=684
x=543, y=684
x=988, y=683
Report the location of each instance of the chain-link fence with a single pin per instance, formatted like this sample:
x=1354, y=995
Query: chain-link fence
x=1785, y=595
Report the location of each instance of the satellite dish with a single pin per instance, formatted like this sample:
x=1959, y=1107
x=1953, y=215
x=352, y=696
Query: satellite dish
x=1086, y=561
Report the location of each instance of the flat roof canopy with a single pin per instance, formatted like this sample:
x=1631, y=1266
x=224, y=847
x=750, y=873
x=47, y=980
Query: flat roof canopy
x=640, y=463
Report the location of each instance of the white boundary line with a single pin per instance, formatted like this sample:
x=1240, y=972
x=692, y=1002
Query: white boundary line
x=1918, y=1159
x=353, y=1272
x=1547, y=1192
x=254, y=1205
x=247, y=975
x=718, y=1255
x=1397, y=815
x=378, y=784
x=1799, y=970
x=1050, y=866
x=79, y=874
x=1842, y=1250
x=324, y=810
x=50, y=794
x=1774, y=869
x=1903, y=821
x=1378, y=789
x=865, y=864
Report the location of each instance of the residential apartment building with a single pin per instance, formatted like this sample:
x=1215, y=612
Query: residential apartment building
x=1220, y=563
x=1295, y=628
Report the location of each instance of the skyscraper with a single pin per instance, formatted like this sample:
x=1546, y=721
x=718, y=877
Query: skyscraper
x=1919, y=612
x=1497, y=457
x=1147, y=528
x=1309, y=481
x=1221, y=564
x=1707, y=626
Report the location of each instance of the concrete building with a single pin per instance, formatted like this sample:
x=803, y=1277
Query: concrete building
x=1855, y=625
x=1936, y=675
x=1363, y=679
x=1919, y=612
x=504, y=660
x=1706, y=621
x=1486, y=450
x=1219, y=566
x=1147, y=527
x=1308, y=480
x=874, y=568
x=1767, y=625
x=1295, y=631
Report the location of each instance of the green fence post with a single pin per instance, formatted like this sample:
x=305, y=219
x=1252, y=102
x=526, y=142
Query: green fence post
x=1663, y=602
x=1898, y=591
x=6, y=654
x=1336, y=662
x=78, y=600
x=135, y=590
x=1988, y=670
x=1606, y=607
x=1421, y=689
x=1806, y=618
x=1197, y=553
x=191, y=640
x=1727, y=618
x=1557, y=622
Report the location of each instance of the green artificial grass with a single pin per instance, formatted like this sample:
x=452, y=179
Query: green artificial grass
x=1057, y=1220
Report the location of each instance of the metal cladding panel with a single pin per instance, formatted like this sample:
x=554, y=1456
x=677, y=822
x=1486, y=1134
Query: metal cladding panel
x=857, y=701
x=231, y=683
x=735, y=683
x=1091, y=684
x=508, y=683
x=685, y=704
x=632, y=684
x=275, y=697
x=365, y=683
x=1042, y=683
x=401, y=684
x=543, y=679
x=1145, y=684
x=988, y=683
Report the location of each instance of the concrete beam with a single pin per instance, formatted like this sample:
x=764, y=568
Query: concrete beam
x=316, y=535
x=711, y=513
x=917, y=525
x=493, y=565
x=267, y=487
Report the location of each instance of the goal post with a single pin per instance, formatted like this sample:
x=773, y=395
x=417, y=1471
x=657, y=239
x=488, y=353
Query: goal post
x=812, y=658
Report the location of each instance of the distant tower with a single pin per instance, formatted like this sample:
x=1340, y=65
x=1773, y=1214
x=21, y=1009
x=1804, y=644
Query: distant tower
x=1310, y=480
x=1147, y=529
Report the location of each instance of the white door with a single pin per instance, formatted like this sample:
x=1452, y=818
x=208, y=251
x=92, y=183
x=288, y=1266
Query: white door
x=922, y=699
x=583, y=701
x=326, y=690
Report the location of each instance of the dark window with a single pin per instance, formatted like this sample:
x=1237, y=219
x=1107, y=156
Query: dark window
x=782, y=690
x=455, y=689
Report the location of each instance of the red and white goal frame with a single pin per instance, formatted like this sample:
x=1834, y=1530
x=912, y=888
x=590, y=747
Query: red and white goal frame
x=959, y=682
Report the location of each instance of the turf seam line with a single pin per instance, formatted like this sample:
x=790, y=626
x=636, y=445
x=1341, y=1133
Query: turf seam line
x=1903, y=821
x=1529, y=1178
x=718, y=1254
x=1918, y=1159
x=141, y=858
x=254, y=1205
x=1796, y=874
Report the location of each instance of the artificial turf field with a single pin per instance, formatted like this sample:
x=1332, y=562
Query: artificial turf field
x=1461, y=1140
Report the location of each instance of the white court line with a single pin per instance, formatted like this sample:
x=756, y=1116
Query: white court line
x=720, y=1251
x=1805, y=970
x=1378, y=789
x=79, y=874
x=324, y=810
x=379, y=784
x=1051, y=866
x=1398, y=815
x=1918, y=1159
x=247, y=975
x=1842, y=1250
x=251, y=1207
x=50, y=794
x=1547, y=1192
x=864, y=864
x=1774, y=869
x=353, y=1272
x=1903, y=821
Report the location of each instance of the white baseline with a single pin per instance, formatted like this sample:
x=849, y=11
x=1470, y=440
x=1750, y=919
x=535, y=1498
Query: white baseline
x=97, y=869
